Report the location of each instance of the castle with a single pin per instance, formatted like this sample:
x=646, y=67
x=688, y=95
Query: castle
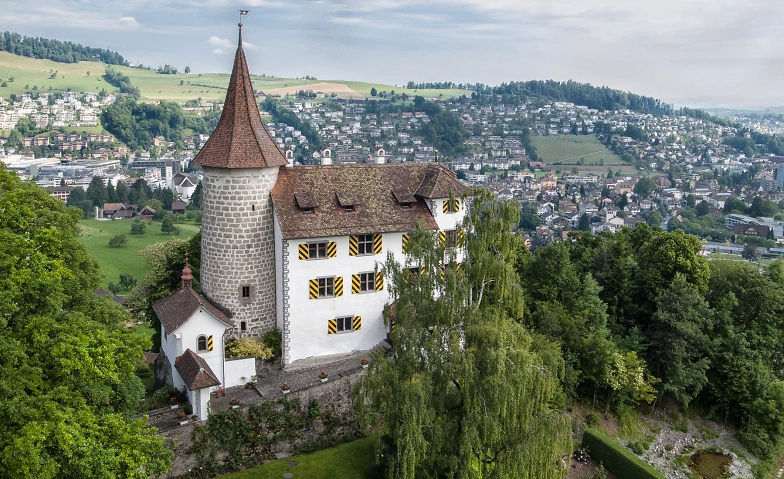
x=296, y=248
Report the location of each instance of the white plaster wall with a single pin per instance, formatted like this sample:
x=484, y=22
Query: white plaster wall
x=238, y=368
x=278, y=272
x=308, y=318
x=186, y=337
x=200, y=400
x=447, y=221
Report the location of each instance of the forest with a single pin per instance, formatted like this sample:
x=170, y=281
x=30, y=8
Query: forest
x=490, y=347
x=56, y=50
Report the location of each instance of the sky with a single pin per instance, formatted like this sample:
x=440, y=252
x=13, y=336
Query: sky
x=718, y=53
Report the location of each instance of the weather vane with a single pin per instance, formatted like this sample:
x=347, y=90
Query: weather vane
x=243, y=12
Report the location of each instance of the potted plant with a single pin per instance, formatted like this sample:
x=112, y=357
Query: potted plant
x=285, y=388
x=188, y=409
x=323, y=376
x=235, y=403
x=364, y=362
x=183, y=418
x=173, y=402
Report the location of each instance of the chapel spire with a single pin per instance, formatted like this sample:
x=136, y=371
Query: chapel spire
x=240, y=140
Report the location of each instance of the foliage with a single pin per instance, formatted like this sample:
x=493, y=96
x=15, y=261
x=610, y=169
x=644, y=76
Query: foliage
x=622, y=463
x=69, y=391
x=274, y=341
x=119, y=240
x=136, y=124
x=529, y=219
x=470, y=392
x=56, y=50
x=167, y=225
x=138, y=227
x=645, y=186
x=248, y=347
x=281, y=114
x=116, y=78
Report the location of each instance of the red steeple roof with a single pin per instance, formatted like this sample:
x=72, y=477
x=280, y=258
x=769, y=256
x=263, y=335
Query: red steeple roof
x=240, y=139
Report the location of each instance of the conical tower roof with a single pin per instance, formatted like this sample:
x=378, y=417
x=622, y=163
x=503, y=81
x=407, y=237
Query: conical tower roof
x=240, y=139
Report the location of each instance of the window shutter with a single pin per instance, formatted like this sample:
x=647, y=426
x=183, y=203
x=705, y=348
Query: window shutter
x=377, y=244
x=354, y=283
x=303, y=251
x=460, y=238
x=443, y=271
x=209, y=343
x=456, y=206
x=332, y=326
x=442, y=237
x=338, y=285
x=405, y=242
x=332, y=249
x=446, y=207
x=379, y=281
x=353, y=246
x=392, y=326
x=356, y=323
x=314, y=288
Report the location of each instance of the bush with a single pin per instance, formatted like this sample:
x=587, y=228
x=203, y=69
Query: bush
x=616, y=458
x=592, y=420
x=273, y=340
x=119, y=240
x=248, y=347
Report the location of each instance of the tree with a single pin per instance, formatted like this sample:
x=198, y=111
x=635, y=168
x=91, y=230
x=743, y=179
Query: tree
x=750, y=252
x=645, y=186
x=138, y=227
x=122, y=192
x=96, y=192
x=111, y=193
x=119, y=240
x=69, y=387
x=373, y=91
x=470, y=392
x=584, y=223
x=654, y=219
x=734, y=205
x=167, y=225
x=529, y=218
x=187, y=69
x=760, y=207
x=196, y=196
x=691, y=201
x=703, y=208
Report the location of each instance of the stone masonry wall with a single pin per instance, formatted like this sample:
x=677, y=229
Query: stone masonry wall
x=238, y=245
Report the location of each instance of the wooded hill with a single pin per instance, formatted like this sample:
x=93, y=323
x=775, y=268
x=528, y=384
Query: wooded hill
x=56, y=50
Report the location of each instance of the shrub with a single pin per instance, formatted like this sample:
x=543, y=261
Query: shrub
x=248, y=347
x=273, y=340
x=592, y=420
x=622, y=463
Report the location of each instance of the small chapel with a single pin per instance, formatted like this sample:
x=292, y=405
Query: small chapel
x=297, y=248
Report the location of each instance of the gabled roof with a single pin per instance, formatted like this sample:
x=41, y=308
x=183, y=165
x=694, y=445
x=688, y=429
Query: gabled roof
x=370, y=188
x=195, y=371
x=177, y=308
x=240, y=140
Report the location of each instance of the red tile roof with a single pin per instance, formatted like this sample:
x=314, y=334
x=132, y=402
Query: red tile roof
x=240, y=140
x=195, y=371
x=177, y=308
x=373, y=190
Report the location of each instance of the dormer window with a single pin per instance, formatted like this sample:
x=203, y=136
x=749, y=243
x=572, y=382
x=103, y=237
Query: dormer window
x=201, y=343
x=348, y=200
x=404, y=198
x=306, y=202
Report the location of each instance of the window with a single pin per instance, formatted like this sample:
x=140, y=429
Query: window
x=326, y=249
x=326, y=287
x=367, y=282
x=243, y=326
x=449, y=238
x=246, y=292
x=349, y=209
x=344, y=324
x=451, y=205
x=364, y=244
x=201, y=343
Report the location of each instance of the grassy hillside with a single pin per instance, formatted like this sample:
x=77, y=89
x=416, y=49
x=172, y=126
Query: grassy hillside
x=154, y=86
x=570, y=149
x=95, y=236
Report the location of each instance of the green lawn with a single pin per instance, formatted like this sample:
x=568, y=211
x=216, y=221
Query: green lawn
x=347, y=461
x=569, y=149
x=95, y=236
x=33, y=72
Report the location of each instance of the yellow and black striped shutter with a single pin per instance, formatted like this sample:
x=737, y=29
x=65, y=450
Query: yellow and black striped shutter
x=332, y=326
x=356, y=323
x=314, y=288
x=391, y=325
x=377, y=244
x=338, y=285
x=209, y=344
x=303, y=251
x=353, y=245
x=460, y=238
x=456, y=206
x=405, y=242
x=379, y=281
x=443, y=271
x=355, y=284
x=442, y=238
x=332, y=249
x=446, y=207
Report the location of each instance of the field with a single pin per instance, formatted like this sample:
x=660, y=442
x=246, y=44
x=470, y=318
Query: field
x=95, y=236
x=30, y=72
x=570, y=149
x=347, y=461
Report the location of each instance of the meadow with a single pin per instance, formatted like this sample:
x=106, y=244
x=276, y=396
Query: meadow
x=570, y=149
x=88, y=77
x=347, y=461
x=95, y=236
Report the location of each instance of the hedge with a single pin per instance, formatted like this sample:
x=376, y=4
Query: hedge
x=616, y=458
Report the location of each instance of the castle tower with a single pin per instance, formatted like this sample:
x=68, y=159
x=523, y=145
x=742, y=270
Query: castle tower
x=241, y=164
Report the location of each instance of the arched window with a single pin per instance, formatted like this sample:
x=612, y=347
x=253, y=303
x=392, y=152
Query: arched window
x=202, y=343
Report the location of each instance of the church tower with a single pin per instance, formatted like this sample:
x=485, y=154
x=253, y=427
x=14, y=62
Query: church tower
x=241, y=163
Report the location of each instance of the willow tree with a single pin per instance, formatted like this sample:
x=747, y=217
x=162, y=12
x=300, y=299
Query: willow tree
x=470, y=392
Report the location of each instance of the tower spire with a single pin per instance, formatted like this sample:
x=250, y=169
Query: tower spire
x=239, y=45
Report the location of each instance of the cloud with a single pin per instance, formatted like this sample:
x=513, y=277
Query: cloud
x=128, y=22
x=248, y=46
x=220, y=42
x=218, y=51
